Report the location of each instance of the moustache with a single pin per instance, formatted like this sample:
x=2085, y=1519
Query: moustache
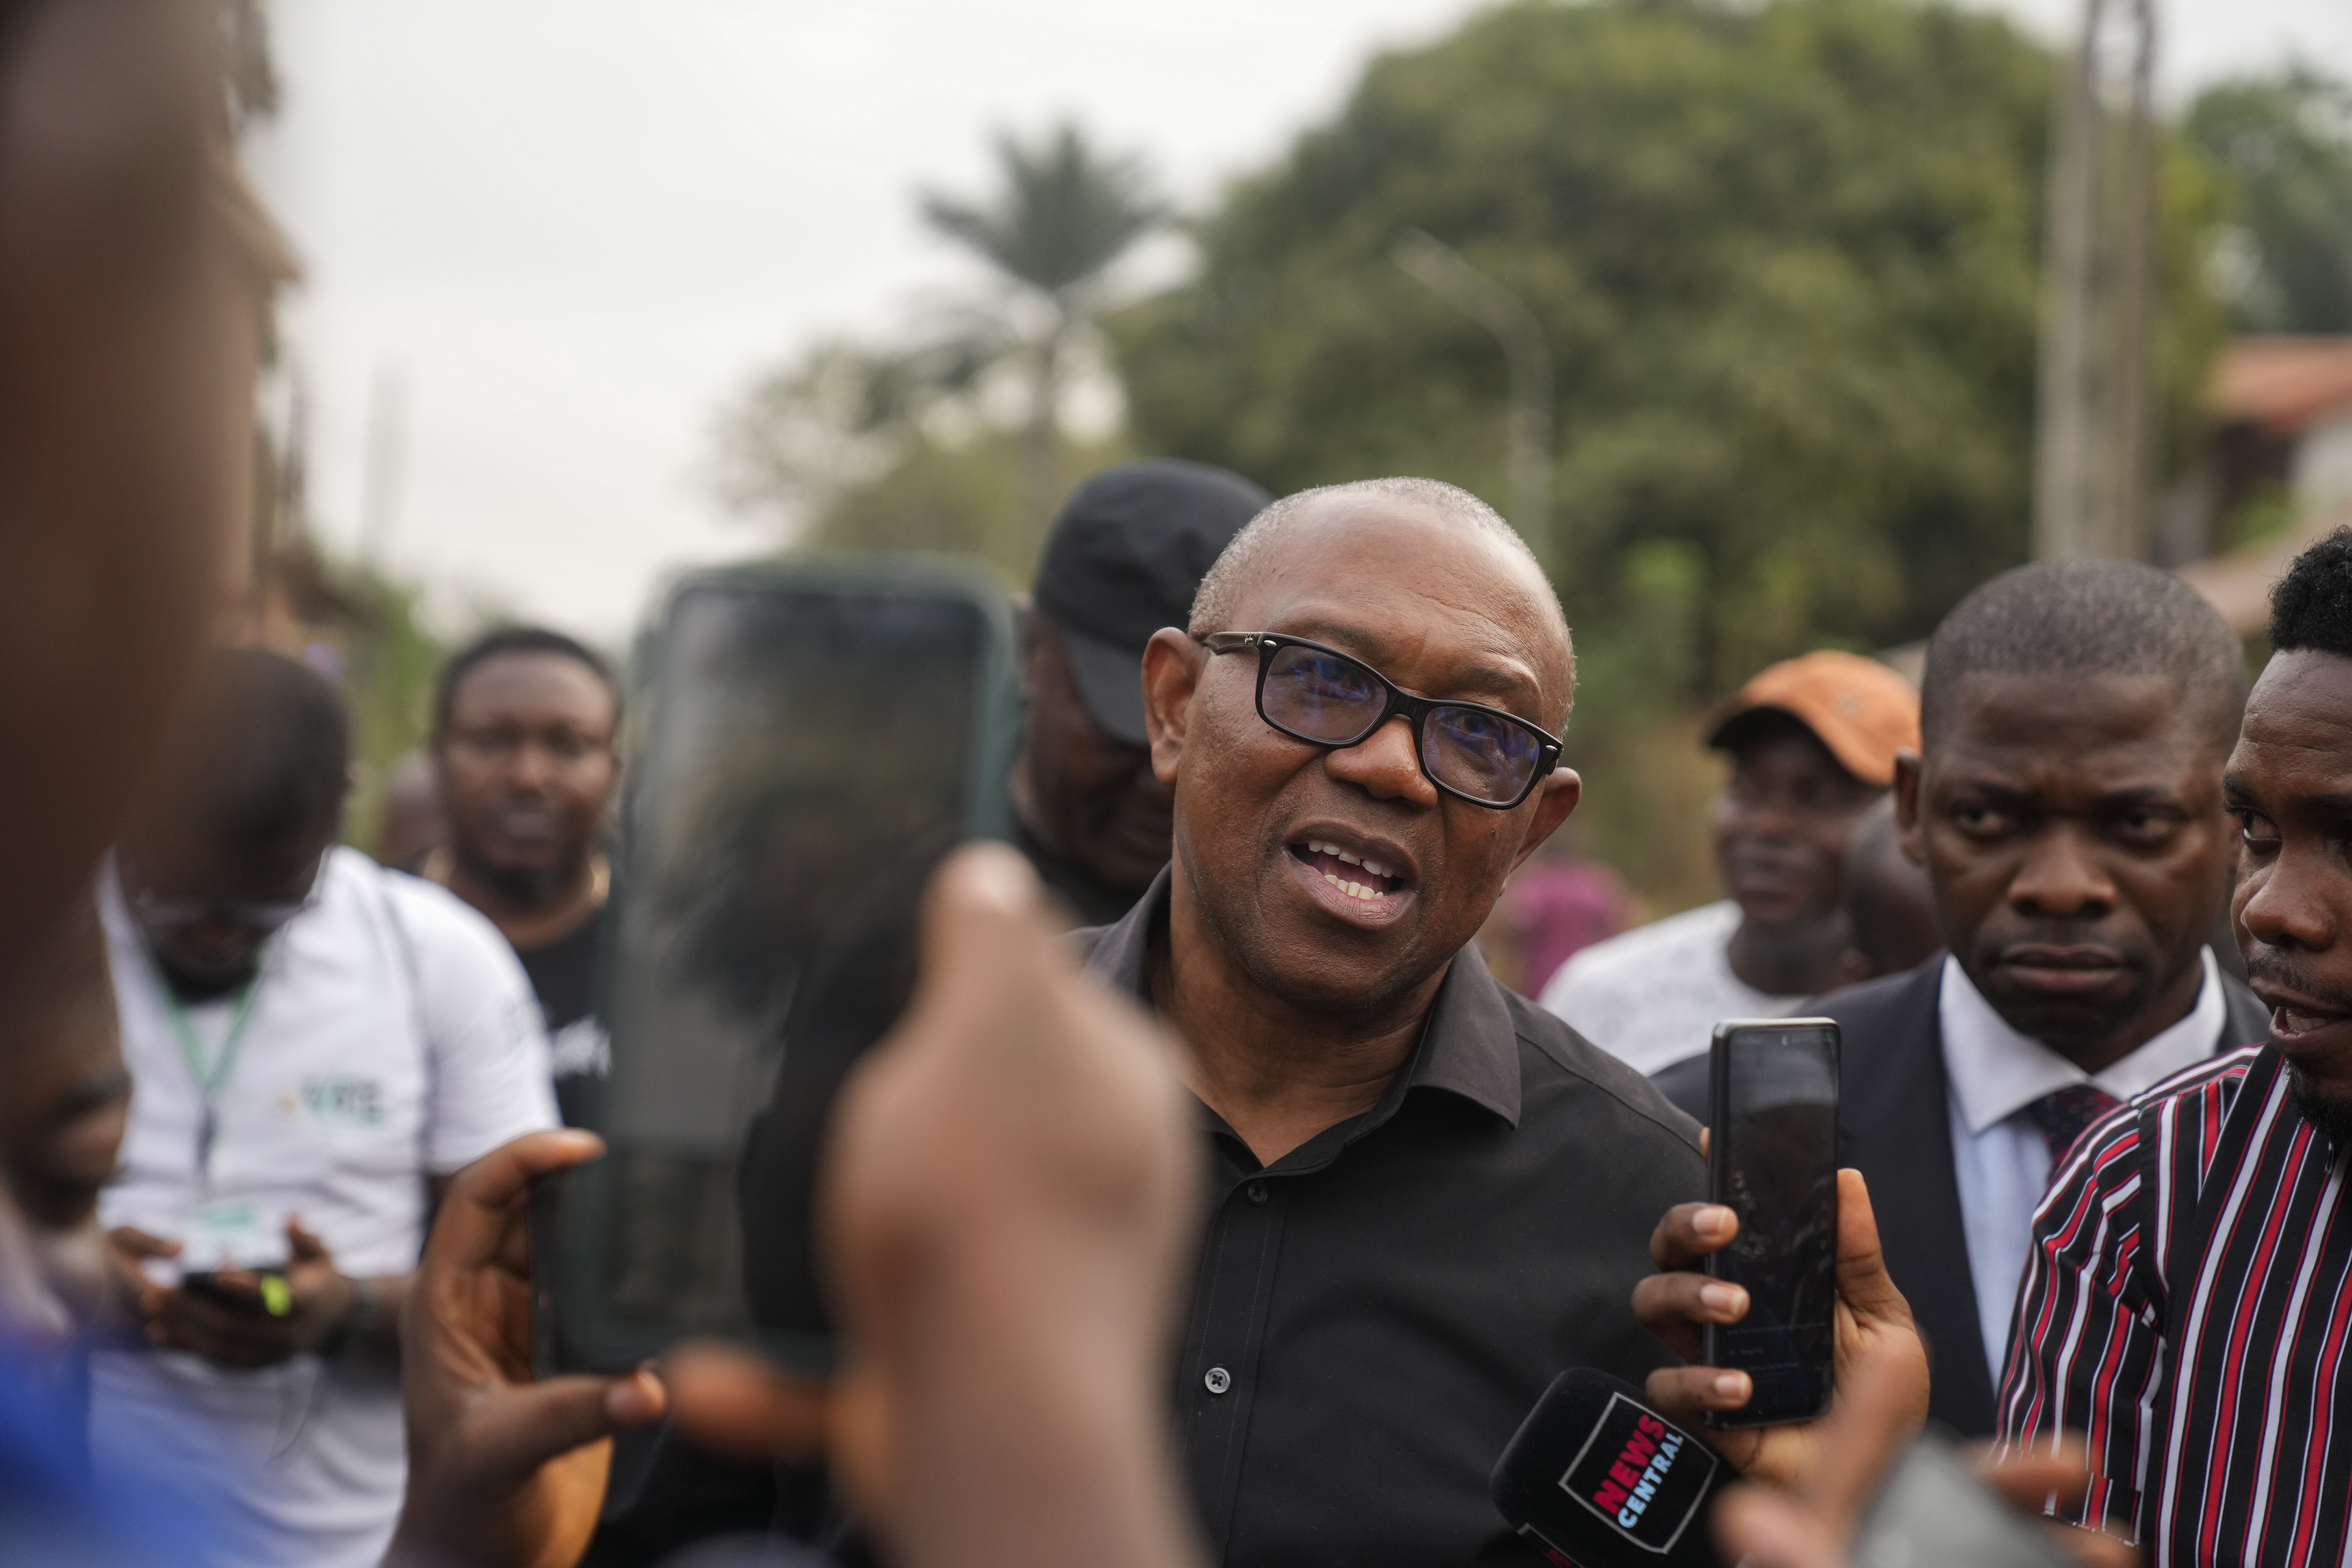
x=2267, y=965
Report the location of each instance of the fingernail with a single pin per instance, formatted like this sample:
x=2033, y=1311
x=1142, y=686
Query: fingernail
x=1732, y=1385
x=1713, y=1220
x=1726, y=1299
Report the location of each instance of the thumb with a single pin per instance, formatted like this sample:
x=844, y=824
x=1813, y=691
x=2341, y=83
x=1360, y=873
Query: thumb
x=139, y=1243
x=306, y=1247
x=1862, y=1278
x=514, y=1431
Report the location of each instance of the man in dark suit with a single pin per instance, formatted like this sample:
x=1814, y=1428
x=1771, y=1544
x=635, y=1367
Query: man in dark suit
x=2067, y=806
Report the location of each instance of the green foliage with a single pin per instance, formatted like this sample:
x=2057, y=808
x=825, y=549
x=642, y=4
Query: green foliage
x=905, y=444
x=1066, y=212
x=2285, y=144
x=391, y=661
x=964, y=499
x=1787, y=260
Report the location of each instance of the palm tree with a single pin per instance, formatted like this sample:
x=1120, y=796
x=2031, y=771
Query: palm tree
x=1064, y=211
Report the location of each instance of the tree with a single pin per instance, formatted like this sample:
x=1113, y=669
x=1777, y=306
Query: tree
x=1063, y=215
x=2284, y=143
x=1787, y=256
x=950, y=435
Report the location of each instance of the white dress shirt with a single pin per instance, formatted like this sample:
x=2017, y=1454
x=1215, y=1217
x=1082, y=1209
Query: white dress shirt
x=1999, y=1156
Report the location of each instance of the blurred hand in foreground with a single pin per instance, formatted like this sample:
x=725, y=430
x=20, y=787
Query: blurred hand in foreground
x=1811, y=1522
x=500, y=1469
x=1874, y=1323
x=1010, y=1191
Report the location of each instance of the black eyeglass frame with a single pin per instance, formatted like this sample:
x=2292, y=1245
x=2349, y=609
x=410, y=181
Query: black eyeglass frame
x=1416, y=709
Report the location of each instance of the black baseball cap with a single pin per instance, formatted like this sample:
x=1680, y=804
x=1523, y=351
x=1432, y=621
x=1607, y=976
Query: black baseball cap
x=1126, y=556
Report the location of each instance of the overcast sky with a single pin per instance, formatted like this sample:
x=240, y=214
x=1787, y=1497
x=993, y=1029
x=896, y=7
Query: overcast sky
x=570, y=229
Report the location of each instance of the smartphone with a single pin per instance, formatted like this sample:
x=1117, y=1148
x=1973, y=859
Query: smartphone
x=1772, y=1160
x=816, y=736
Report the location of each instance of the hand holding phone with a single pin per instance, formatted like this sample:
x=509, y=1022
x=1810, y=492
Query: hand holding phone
x=1682, y=1303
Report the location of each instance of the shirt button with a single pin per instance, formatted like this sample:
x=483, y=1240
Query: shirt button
x=1219, y=1380
x=1258, y=1192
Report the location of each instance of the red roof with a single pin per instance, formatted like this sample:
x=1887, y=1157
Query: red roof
x=2283, y=384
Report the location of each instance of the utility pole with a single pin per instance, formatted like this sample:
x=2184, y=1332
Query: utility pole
x=384, y=464
x=2091, y=444
x=1441, y=268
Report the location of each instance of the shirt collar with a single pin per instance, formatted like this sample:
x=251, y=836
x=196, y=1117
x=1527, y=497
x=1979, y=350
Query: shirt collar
x=1468, y=1048
x=1996, y=1072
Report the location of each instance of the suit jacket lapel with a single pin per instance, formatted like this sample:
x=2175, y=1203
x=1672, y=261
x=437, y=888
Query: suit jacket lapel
x=1898, y=1133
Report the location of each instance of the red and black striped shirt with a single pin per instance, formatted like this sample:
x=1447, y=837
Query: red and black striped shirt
x=2187, y=1306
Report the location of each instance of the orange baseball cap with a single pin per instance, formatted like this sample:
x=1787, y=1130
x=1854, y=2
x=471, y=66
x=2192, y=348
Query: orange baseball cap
x=1862, y=711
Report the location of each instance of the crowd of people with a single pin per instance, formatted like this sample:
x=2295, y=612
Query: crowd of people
x=1213, y=1200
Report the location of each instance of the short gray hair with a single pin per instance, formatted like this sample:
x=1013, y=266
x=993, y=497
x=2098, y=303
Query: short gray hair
x=1212, y=605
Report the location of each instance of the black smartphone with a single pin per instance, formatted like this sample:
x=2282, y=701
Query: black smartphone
x=815, y=735
x=1772, y=1160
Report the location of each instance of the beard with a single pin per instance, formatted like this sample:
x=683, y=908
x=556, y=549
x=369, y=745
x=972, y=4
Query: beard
x=2330, y=1115
x=529, y=886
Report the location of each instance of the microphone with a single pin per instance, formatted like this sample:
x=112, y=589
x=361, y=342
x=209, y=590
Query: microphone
x=1599, y=1479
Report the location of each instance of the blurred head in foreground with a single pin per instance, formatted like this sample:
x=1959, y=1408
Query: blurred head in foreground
x=118, y=391
x=225, y=848
x=1125, y=558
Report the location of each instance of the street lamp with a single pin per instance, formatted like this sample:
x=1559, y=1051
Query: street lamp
x=1440, y=266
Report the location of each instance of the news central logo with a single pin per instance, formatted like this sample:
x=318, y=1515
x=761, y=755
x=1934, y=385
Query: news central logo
x=1643, y=1477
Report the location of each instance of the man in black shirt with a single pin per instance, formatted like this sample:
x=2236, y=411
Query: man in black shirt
x=1124, y=560
x=524, y=733
x=1428, y=1195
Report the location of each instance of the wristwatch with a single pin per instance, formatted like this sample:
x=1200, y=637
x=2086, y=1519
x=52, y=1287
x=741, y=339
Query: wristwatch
x=363, y=1328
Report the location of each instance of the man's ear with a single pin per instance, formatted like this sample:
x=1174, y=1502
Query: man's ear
x=1173, y=663
x=1907, y=805
x=1555, y=798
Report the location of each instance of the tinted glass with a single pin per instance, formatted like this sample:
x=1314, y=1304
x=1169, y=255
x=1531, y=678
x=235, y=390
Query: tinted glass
x=1320, y=695
x=807, y=767
x=1480, y=753
x=1773, y=1161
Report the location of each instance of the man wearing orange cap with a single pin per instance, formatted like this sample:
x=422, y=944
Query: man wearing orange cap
x=1813, y=743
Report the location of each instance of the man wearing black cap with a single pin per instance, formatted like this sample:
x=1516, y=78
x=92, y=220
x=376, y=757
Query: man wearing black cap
x=1125, y=558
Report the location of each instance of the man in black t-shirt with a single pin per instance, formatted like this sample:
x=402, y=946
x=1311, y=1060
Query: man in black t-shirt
x=1124, y=559
x=524, y=732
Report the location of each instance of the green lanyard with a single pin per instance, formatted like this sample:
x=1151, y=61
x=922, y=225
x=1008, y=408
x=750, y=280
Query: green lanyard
x=209, y=1078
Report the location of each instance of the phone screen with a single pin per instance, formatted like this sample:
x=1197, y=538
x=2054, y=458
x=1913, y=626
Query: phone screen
x=815, y=744
x=1772, y=1160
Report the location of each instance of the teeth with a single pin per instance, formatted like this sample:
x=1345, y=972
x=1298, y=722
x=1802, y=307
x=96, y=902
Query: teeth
x=2302, y=1023
x=1353, y=889
x=1316, y=847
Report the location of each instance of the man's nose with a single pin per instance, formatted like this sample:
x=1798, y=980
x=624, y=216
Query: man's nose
x=2285, y=904
x=1383, y=765
x=2061, y=877
x=531, y=766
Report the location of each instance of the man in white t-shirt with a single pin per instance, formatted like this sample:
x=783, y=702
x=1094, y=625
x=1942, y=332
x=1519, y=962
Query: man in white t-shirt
x=315, y=1044
x=1812, y=742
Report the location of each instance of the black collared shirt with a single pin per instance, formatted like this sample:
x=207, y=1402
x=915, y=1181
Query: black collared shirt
x=1376, y=1312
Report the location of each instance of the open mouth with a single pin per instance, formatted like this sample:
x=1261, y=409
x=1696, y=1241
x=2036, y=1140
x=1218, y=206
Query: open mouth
x=2298, y=1021
x=1358, y=876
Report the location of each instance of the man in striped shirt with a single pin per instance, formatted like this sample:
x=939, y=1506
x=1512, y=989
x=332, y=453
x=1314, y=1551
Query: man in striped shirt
x=2187, y=1303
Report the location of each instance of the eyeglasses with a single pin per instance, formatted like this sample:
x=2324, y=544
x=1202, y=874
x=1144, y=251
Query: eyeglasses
x=257, y=917
x=1327, y=697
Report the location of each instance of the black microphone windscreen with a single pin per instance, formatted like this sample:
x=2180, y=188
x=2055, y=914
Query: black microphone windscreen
x=1601, y=1480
